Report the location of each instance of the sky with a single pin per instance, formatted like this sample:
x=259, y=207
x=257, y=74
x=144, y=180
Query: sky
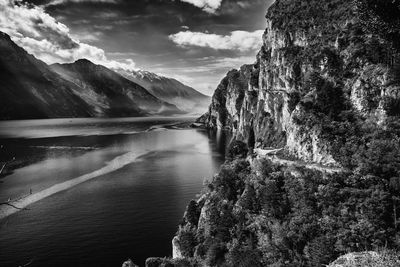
x=194, y=41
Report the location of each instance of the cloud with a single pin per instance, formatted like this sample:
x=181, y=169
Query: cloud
x=41, y=35
x=61, y=2
x=209, y=6
x=237, y=40
x=197, y=73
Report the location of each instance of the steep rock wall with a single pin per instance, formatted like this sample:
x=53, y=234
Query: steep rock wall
x=308, y=70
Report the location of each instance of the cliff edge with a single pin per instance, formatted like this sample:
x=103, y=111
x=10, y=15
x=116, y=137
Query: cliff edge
x=316, y=67
x=320, y=108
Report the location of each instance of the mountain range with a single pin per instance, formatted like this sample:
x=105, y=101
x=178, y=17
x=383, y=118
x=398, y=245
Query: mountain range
x=31, y=89
x=170, y=90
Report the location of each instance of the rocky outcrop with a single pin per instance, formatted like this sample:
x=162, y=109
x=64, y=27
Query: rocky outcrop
x=176, y=248
x=307, y=71
x=129, y=263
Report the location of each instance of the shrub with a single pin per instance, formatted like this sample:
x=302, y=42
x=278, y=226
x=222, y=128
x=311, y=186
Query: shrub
x=244, y=256
x=237, y=149
x=216, y=254
x=193, y=213
x=187, y=242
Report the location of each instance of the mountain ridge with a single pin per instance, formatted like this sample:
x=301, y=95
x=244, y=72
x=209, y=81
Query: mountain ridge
x=170, y=90
x=31, y=89
x=121, y=92
x=21, y=77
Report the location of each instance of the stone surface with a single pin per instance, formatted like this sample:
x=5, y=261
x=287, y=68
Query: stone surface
x=176, y=248
x=129, y=263
x=260, y=102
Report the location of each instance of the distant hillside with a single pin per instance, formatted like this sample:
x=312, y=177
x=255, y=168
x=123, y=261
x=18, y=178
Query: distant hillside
x=170, y=90
x=100, y=83
x=30, y=89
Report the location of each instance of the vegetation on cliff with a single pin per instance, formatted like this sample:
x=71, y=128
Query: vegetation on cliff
x=382, y=18
x=325, y=86
x=330, y=68
x=263, y=214
x=323, y=66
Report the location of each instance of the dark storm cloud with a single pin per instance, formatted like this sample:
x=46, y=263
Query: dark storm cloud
x=143, y=30
x=44, y=36
x=54, y=35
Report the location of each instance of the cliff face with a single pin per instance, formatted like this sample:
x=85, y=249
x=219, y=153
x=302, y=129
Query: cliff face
x=315, y=64
x=328, y=92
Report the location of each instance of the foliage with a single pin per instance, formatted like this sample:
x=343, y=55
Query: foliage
x=215, y=254
x=165, y=262
x=237, y=149
x=290, y=15
x=187, y=242
x=271, y=215
x=382, y=258
x=240, y=255
x=192, y=213
x=381, y=17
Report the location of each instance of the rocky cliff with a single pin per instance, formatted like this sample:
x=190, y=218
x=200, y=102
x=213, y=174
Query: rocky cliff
x=327, y=91
x=316, y=63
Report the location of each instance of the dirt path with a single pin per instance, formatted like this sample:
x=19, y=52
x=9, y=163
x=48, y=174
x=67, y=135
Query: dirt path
x=272, y=154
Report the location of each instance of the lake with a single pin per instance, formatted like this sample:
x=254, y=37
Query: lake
x=100, y=190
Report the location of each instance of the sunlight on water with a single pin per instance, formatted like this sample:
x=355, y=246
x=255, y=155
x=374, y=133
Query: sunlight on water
x=99, y=199
x=81, y=126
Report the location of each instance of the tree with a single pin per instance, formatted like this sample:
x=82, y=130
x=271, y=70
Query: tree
x=237, y=149
x=243, y=255
x=187, y=242
x=395, y=190
x=192, y=213
x=381, y=17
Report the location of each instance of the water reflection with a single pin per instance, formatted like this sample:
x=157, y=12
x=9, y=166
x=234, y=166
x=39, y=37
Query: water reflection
x=220, y=139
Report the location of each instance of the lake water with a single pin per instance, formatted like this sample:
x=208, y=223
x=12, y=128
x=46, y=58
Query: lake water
x=105, y=190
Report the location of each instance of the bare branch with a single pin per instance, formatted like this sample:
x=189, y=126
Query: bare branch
x=27, y=264
x=2, y=168
x=15, y=207
x=5, y=164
